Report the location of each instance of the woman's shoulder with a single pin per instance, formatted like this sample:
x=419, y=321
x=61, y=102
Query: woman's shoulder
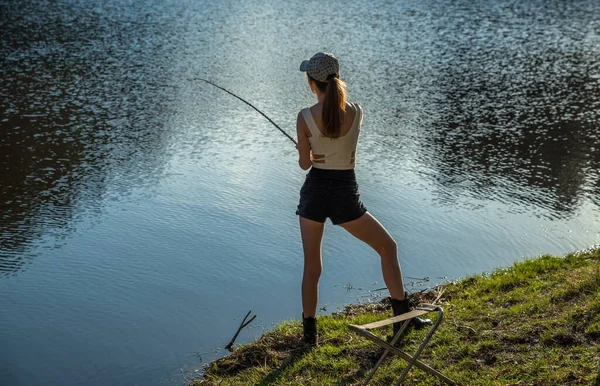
x=355, y=108
x=354, y=105
x=306, y=109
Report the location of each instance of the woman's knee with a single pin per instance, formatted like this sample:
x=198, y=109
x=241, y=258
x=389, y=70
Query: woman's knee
x=388, y=248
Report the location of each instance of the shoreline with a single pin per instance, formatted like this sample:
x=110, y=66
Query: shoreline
x=535, y=322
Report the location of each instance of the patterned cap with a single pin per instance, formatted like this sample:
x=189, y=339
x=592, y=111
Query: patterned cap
x=320, y=66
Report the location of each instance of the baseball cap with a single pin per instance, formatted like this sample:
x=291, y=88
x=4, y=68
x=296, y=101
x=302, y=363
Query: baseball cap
x=321, y=66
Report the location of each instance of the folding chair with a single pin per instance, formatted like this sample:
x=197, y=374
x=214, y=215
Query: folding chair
x=421, y=309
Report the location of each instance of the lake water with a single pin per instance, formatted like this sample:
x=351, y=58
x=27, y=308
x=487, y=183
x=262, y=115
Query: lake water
x=144, y=213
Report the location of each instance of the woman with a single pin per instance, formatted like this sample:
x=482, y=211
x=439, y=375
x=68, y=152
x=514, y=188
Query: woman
x=327, y=140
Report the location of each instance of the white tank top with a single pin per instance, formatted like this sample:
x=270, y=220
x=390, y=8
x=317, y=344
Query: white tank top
x=340, y=153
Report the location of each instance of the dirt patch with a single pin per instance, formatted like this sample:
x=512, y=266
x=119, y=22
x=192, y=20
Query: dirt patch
x=270, y=349
x=565, y=340
x=355, y=309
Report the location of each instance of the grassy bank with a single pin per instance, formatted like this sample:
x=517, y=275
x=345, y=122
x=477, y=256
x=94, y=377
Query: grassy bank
x=535, y=323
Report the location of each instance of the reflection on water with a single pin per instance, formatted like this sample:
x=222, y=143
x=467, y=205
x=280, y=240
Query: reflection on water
x=517, y=107
x=170, y=204
x=83, y=119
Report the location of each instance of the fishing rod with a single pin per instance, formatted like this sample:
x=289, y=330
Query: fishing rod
x=251, y=105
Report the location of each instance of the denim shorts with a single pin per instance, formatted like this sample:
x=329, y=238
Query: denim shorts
x=330, y=193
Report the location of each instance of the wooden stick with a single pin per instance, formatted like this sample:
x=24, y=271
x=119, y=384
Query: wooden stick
x=242, y=325
x=439, y=296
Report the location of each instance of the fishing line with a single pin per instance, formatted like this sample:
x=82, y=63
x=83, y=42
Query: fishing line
x=251, y=105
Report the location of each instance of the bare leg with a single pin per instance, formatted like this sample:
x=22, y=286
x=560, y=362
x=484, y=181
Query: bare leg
x=369, y=230
x=312, y=235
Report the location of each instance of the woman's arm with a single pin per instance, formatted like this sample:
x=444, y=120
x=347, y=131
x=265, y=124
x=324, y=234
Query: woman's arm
x=303, y=145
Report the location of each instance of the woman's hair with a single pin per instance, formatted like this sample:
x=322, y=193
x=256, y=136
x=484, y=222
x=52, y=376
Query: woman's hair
x=334, y=104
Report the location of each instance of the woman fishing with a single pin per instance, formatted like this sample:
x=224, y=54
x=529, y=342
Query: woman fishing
x=328, y=135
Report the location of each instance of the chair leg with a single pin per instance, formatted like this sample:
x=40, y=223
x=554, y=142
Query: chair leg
x=421, y=347
x=386, y=352
x=394, y=350
x=412, y=360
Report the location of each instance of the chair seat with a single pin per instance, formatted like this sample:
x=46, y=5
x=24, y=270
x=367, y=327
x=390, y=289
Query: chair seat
x=394, y=319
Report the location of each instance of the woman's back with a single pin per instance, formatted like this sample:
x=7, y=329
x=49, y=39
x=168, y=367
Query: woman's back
x=333, y=153
x=316, y=111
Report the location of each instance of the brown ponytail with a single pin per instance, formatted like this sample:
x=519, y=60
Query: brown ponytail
x=334, y=105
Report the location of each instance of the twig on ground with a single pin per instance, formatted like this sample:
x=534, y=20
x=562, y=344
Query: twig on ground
x=242, y=325
x=467, y=327
x=379, y=289
x=426, y=278
x=440, y=293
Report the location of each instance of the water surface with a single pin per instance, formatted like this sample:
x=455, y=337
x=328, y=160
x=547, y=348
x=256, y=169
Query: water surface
x=143, y=213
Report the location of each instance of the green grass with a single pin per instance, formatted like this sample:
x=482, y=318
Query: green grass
x=535, y=323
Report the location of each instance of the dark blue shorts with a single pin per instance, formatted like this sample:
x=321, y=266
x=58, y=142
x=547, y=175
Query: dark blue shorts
x=330, y=193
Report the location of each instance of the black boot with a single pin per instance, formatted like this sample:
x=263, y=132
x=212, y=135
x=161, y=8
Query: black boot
x=310, y=330
x=403, y=306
